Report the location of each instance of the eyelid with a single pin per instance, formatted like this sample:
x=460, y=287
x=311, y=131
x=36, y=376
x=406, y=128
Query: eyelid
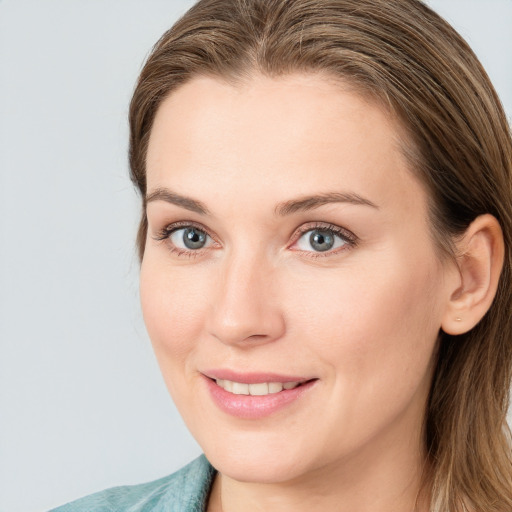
x=174, y=226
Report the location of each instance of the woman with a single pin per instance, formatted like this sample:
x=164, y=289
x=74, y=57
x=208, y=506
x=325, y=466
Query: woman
x=325, y=259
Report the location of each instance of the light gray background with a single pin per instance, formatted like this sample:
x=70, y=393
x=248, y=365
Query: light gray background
x=82, y=403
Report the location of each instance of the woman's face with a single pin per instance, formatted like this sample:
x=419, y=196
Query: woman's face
x=289, y=243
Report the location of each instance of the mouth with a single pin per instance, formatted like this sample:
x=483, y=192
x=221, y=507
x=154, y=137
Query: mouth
x=256, y=395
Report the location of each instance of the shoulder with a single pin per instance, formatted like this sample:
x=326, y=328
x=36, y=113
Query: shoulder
x=183, y=491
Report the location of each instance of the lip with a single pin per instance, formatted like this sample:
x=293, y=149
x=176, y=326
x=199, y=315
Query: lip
x=255, y=407
x=252, y=377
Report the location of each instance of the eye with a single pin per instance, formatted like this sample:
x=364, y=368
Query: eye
x=322, y=240
x=188, y=238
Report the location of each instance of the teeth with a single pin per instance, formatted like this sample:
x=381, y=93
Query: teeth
x=275, y=387
x=240, y=389
x=259, y=389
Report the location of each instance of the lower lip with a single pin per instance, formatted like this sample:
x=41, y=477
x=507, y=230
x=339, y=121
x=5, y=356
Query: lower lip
x=255, y=407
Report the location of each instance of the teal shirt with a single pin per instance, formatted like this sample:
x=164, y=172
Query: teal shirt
x=187, y=490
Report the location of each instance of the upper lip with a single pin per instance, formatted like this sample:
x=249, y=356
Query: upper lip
x=252, y=377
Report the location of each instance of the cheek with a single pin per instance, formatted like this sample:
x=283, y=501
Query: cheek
x=174, y=305
x=375, y=326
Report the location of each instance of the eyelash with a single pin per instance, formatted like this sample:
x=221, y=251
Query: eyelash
x=350, y=240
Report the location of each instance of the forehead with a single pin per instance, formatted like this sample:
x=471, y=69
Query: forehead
x=288, y=135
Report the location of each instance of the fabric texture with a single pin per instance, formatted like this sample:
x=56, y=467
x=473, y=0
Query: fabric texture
x=187, y=490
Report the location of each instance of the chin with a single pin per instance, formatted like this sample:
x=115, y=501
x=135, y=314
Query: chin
x=266, y=461
x=256, y=469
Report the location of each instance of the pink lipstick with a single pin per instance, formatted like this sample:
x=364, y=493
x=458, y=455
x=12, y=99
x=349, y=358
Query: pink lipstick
x=254, y=395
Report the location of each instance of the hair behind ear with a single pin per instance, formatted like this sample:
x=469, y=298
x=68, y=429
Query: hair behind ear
x=466, y=426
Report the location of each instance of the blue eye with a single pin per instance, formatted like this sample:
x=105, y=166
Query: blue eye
x=189, y=238
x=321, y=240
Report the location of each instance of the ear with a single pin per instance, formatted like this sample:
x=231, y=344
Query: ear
x=480, y=254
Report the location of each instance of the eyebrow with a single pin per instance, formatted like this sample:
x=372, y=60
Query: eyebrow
x=302, y=204
x=311, y=202
x=164, y=194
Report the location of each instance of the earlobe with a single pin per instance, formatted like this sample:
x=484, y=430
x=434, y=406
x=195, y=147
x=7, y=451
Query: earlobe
x=480, y=254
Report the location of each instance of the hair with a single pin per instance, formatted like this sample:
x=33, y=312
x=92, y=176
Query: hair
x=458, y=143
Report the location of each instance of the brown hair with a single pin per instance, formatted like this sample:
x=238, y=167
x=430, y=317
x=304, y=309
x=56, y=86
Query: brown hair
x=459, y=145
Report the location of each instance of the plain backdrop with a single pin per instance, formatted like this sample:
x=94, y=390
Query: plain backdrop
x=82, y=403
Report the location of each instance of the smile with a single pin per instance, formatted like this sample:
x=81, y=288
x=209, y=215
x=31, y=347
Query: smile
x=258, y=389
x=255, y=396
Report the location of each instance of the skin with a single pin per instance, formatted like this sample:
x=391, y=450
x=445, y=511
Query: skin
x=363, y=318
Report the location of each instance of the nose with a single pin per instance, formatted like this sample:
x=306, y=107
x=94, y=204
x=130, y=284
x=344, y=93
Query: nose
x=246, y=309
